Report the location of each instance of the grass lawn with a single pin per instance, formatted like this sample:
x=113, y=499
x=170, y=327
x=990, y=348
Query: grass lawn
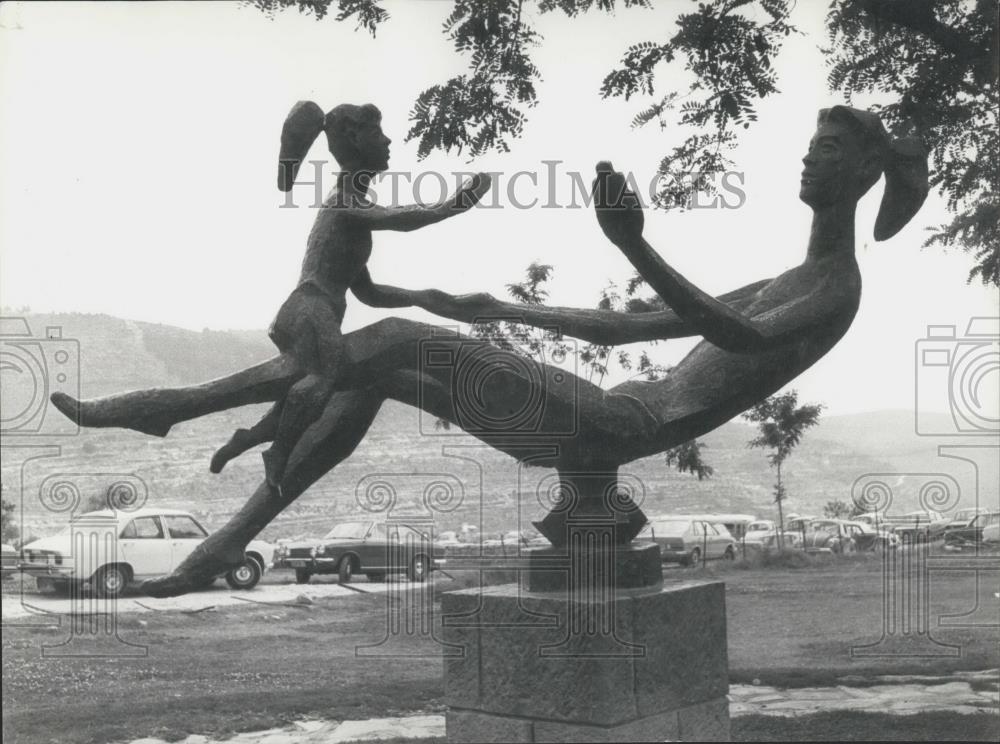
x=257, y=667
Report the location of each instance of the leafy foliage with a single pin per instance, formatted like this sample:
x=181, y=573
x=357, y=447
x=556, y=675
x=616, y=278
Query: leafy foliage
x=837, y=509
x=686, y=458
x=937, y=58
x=782, y=423
x=939, y=62
x=727, y=47
x=480, y=110
x=369, y=13
x=9, y=531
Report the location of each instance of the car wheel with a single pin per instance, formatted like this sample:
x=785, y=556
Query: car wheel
x=376, y=578
x=345, y=570
x=730, y=554
x=695, y=558
x=110, y=581
x=418, y=568
x=302, y=576
x=245, y=576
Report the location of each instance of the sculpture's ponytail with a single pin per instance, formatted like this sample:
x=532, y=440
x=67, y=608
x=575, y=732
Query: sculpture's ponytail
x=903, y=161
x=303, y=125
x=906, y=185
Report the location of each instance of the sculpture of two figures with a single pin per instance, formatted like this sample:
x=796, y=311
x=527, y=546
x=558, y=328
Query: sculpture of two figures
x=328, y=387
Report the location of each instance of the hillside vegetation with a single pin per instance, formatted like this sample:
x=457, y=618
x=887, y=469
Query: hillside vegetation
x=404, y=450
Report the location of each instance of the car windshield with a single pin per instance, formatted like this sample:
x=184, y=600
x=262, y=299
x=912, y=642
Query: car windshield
x=759, y=527
x=822, y=527
x=670, y=528
x=348, y=531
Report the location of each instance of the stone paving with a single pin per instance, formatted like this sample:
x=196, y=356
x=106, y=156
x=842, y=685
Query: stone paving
x=15, y=607
x=962, y=692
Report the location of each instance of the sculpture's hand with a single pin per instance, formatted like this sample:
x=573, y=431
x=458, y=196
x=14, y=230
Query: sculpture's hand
x=619, y=211
x=472, y=190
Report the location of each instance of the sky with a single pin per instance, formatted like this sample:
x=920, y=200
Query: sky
x=139, y=141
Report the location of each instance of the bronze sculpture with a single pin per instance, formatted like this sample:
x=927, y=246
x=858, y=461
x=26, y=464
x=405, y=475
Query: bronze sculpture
x=756, y=339
x=307, y=327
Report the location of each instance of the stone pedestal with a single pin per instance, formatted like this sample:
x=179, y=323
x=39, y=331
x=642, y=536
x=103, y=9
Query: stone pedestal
x=641, y=665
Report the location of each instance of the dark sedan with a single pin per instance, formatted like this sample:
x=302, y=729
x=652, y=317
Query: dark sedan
x=374, y=548
x=829, y=536
x=971, y=532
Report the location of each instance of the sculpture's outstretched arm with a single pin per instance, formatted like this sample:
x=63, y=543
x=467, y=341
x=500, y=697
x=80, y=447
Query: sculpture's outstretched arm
x=380, y=295
x=606, y=327
x=415, y=216
x=620, y=216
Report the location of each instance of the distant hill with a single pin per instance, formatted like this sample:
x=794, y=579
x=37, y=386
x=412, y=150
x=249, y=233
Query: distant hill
x=118, y=355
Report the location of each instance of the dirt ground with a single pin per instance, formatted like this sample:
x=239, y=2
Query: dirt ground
x=253, y=666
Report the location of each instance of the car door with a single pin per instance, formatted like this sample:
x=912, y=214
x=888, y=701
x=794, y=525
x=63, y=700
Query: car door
x=413, y=542
x=143, y=544
x=185, y=535
x=373, y=550
x=699, y=538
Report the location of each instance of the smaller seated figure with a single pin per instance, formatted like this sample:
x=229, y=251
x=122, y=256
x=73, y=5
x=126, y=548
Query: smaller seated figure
x=307, y=326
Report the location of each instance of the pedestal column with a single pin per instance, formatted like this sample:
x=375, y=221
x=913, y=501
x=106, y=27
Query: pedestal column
x=591, y=645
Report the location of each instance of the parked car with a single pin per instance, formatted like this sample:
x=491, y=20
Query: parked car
x=798, y=523
x=964, y=517
x=869, y=538
x=830, y=536
x=925, y=524
x=991, y=532
x=449, y=537
x=873, y=519
x=982, y=528
x=791, y=540
x=372, y=547
x=10, y=559
x=687, y=541
x=150, y=542
x=757, y=532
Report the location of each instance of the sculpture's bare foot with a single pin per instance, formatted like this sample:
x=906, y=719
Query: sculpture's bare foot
x=274, y=465
x=199, y=568
x=240, y=442
x=87, y=414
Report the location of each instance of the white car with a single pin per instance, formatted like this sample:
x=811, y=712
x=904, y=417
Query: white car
x=116, y=548
x=757, y=532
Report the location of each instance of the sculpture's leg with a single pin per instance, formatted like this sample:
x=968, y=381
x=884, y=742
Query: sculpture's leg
x=244, y=439
x=343, y=424
x=307, y=397
x=155, y=410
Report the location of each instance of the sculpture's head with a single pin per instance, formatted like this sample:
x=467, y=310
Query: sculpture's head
x=849, y=152
x=354, y=135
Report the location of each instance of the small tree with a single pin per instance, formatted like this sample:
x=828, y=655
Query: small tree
x=837, y=509
x=9, y=531
x=782, y=423
x=686, y=458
